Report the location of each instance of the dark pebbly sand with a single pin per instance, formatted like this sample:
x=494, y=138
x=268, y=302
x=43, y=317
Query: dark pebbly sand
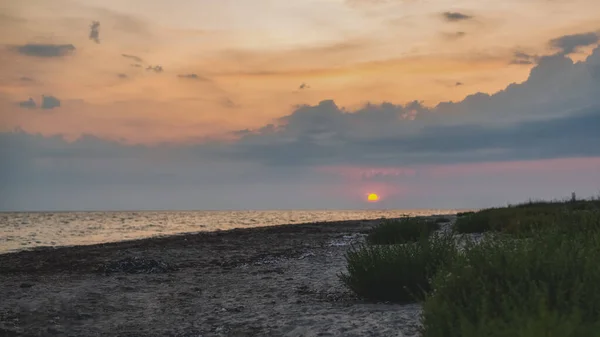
x=269, y=281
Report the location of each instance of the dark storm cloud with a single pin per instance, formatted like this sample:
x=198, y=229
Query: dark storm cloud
x=46, y=50
x=28, y=104
x=474, y=143
x=50, y=102
x=569, y=43
x=456, y=16
x=133, y=57
x=574, y=135
x=95, y=31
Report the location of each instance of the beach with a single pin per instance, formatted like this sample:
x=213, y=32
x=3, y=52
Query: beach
x=266, y=281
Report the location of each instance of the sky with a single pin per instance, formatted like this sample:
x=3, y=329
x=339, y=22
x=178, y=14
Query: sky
x=297, y=104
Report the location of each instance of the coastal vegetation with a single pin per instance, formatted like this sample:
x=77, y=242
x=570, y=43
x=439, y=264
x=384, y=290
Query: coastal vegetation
x=532, y=216
x=397, y=273
x=442, y=220
x=402, y=231
x=532, y=273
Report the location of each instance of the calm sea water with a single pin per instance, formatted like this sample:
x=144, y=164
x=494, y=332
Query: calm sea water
x=20, y=231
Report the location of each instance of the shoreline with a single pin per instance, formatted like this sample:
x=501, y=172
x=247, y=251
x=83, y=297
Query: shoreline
x=171, y=238
x=229, y=210
x=238, y=231
x=265, y=281
x=29, y=231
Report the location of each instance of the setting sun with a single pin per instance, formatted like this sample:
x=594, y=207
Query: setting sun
x=373, y=197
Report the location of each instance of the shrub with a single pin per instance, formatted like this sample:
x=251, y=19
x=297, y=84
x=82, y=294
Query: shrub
x=461, y=214
x=397, y=273
x=401, y=231
x=522, y=322
x=474, y=222
x=545, y=285
x=442, y=220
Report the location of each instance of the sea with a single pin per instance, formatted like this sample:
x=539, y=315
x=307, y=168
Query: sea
x=27, y=230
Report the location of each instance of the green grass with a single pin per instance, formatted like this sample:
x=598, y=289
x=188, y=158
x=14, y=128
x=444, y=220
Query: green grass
x=519, y=322
x=546, y=285
x=531, y=216
x=536, y=273
x=461, y=214
x=442, y=220
x=397, y=273
x=401, y=231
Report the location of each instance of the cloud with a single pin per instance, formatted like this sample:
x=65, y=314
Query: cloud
x=28, y=104
x=555, y=112
x=228, y=103
x=303, y=86
x=50, y=102
x=455, y=16
x=26, y=79
x=156, y=69
x=133, y=57
x=552, y=115
x=192, y=77
x=570, y=43
x=122, y=75
x=457, y=84
x=520, y=57
x=46, y=50
x=326, y=135
x=95, y=31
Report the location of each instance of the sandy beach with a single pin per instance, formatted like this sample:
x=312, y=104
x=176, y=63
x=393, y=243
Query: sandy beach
x=269, y=281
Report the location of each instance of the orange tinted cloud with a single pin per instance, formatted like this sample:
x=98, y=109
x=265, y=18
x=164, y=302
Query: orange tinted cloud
x=253, y=75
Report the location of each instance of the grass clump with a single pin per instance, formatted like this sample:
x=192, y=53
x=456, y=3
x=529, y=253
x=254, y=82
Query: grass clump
x=397, y=273
x=544, y=285
x=401, y=231
x=476, y=222
x=442, y=220
x=461, y=214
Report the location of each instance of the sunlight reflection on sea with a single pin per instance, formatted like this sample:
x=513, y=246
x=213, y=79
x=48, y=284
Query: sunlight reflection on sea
x=20, y=231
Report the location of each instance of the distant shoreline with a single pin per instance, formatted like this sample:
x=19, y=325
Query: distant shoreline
x=20, y=225
x=184, y=236
x=241, y=210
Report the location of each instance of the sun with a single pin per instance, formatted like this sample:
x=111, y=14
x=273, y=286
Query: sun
x=373, y=197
